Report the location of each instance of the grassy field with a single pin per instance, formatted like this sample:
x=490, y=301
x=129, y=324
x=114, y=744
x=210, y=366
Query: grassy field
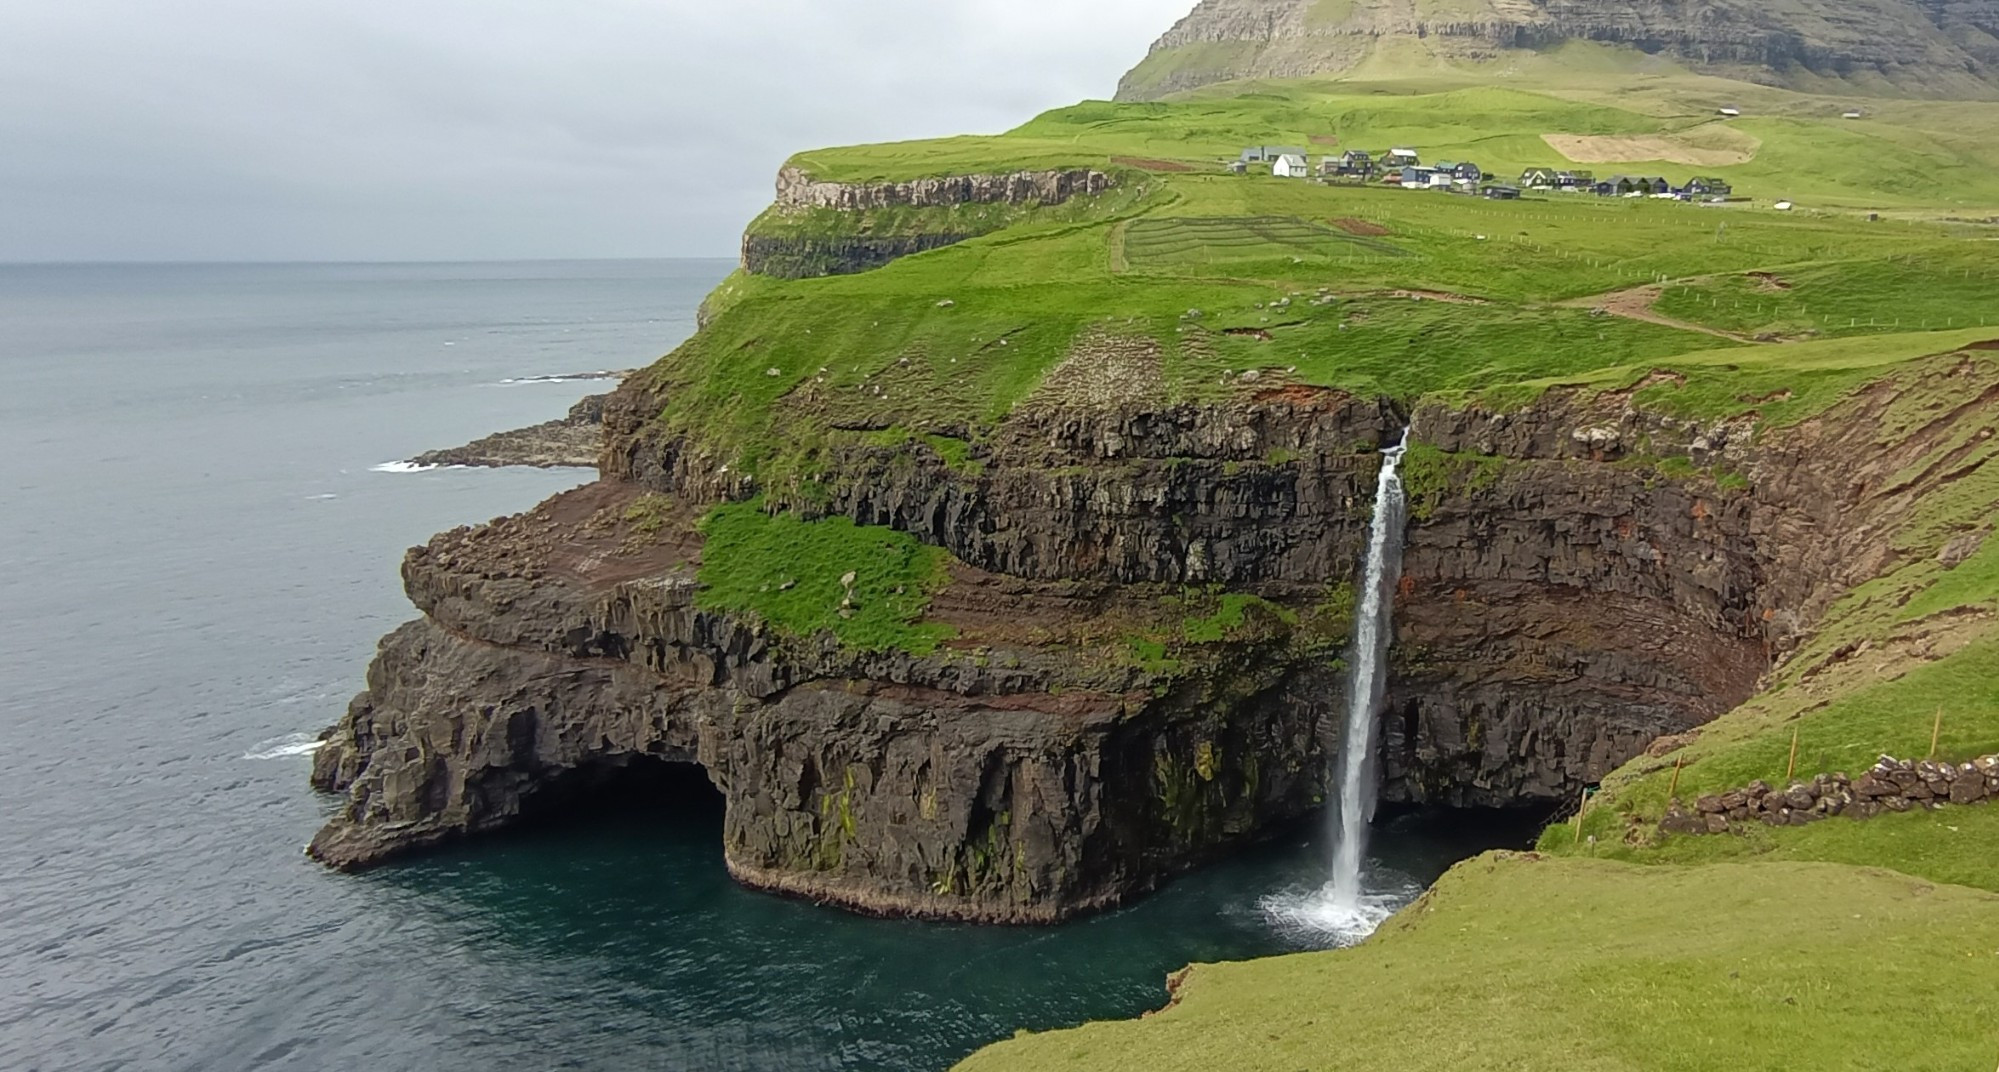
x=1939, y=157
x=1517, y=964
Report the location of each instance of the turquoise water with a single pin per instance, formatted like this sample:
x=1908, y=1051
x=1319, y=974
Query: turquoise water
x=196, y=558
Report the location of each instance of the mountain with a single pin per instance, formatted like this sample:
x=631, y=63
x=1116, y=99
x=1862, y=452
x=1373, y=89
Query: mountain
x=1922, y=48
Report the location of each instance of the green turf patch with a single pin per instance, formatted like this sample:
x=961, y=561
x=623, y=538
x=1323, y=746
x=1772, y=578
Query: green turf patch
x=790, y=574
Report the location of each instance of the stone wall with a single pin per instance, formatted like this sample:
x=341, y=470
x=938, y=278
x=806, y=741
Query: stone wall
x=1892, y=785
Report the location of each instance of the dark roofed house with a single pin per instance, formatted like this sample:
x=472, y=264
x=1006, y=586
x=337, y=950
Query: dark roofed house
x=1708, y=186
x=1269, y=153
x=1496, y=192
x=1467, y=171
x=1538, y=178
x=1575, y=180
x=1634, y=186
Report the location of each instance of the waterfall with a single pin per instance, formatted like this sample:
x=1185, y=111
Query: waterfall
x=1345, y=910
x=1367, y=686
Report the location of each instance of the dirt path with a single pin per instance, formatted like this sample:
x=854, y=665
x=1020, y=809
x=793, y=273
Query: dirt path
x=1636, y=304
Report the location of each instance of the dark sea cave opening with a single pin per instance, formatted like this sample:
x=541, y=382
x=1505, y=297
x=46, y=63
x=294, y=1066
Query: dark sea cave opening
x=622, y=789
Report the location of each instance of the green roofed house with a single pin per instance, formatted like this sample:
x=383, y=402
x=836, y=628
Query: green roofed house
x=1538, y=178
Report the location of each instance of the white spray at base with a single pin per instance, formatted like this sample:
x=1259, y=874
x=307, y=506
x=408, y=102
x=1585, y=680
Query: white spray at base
x=1344, y=910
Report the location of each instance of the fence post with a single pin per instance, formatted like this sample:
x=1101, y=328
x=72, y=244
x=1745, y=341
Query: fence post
x=1792, y=770
x=1936, y=734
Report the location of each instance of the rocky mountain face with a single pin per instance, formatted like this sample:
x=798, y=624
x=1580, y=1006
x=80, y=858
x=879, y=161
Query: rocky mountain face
x=1926, y=47
x=1565, y=603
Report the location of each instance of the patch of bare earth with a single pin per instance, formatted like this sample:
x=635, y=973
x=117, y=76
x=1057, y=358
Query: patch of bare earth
x=1364, y=228
x=1636, y=304
x=1713, y=149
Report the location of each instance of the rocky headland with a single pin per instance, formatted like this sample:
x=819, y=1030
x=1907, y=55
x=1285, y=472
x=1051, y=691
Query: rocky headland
x=1567, y=600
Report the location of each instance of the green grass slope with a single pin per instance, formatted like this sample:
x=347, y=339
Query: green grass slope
x=1901, y=156
x=1517, y=963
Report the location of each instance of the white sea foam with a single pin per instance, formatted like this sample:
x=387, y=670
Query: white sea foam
x=1325, y=918
x=401, y=467
x=567, y=377
x=291, y=744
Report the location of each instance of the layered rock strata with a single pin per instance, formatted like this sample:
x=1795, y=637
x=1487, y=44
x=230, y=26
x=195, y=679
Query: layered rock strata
x=1566, y=601
x=777, y=247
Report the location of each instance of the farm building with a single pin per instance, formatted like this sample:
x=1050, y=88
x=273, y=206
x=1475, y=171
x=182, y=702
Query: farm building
x=1501, y=193
x=1237, y=167
x=1400, y=158
x=1707, y=186
x=1257, y=154
x=1574, y=180
x=1291, y=166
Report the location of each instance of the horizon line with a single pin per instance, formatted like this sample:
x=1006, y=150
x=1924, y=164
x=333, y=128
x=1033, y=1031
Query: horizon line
x=334, y=262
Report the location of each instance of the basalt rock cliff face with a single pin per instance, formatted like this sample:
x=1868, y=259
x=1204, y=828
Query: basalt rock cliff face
x=1565, y=602
x=1929, y=47
x=787, y=253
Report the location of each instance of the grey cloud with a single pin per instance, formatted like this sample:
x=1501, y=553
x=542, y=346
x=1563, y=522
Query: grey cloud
x=413, y=129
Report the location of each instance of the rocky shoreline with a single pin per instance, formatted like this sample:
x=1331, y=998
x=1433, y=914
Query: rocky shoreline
x=567, y=442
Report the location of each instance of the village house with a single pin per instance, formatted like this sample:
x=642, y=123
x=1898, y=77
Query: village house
x=1633, y=186
x=1574, y=180
x=1707, y=187
x=1291, y=166
x=1397, y=159
x=1538, y=178
x=1259, y=154
x=1238, y=167
x=1352, y=164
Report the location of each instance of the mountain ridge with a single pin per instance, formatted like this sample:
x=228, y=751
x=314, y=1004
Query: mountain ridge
x=1921, y=48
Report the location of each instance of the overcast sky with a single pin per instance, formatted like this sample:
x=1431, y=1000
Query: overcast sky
x=481, y=129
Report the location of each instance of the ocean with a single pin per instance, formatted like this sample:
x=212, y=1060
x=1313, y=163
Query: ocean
x=199, y=538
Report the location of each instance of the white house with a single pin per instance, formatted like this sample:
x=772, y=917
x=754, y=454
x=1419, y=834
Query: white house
x=1291, y=166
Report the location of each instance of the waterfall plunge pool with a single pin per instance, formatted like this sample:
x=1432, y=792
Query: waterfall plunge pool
x=622, y=916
